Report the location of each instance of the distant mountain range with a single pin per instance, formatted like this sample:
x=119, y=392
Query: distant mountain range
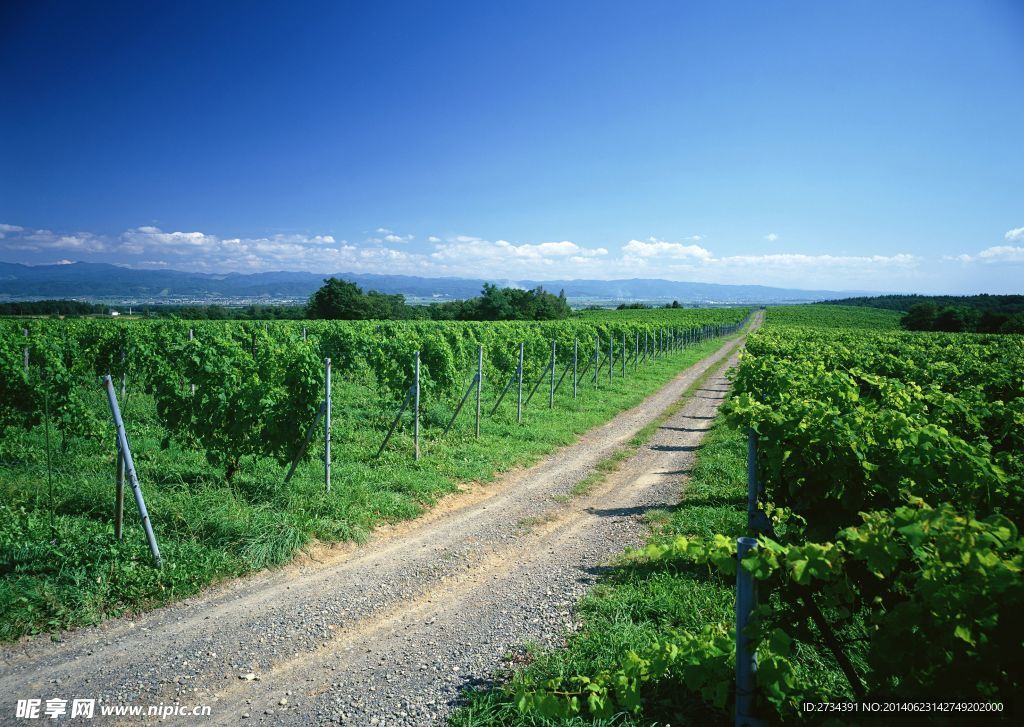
x=101, y=282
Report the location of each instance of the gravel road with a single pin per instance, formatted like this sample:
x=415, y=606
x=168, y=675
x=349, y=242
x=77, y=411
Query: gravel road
x=392, y=632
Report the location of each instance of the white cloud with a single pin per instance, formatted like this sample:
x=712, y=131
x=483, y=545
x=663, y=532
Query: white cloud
x=660, y=248
x=4, y=229
x=771, y=237
x=997, y=254
x=471, y=256
x=82, y=242
x=387, y=235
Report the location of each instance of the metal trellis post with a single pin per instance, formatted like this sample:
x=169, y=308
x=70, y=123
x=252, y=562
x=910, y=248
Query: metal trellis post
x=746, y=657
x=133, y=478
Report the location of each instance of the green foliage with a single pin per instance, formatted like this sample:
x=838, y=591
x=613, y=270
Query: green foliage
x=73, y=572
x=342, y=300
x=892, y=472
x=247, y=400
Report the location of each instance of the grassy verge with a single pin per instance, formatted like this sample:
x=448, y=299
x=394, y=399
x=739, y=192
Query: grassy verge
x=636, y=602
x=60, y=566
x=639, y=601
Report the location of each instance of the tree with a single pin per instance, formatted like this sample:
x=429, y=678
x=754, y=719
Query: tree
x=956, y=319
x=920, y=317
x=338, y=300
x=1014, y=325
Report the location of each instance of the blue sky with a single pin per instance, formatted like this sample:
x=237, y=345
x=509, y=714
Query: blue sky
x=830, y=145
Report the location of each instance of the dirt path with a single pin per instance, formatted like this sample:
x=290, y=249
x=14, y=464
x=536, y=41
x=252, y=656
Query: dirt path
x=392, y=632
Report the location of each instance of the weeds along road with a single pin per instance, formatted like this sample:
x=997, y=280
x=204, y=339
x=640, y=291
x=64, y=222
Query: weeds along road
x=392, y=632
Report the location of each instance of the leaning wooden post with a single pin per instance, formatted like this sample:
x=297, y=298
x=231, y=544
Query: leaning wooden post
x=24, y=352
x=327, y=424
x=746, y=657
x=479, y=385
x=416, y=410
x=551, y=396
x=133, y=478
x=519, y=376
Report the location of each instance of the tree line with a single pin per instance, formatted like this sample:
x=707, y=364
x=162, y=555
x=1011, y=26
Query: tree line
x=337, y=300
x=951, y=313
x=342, y=300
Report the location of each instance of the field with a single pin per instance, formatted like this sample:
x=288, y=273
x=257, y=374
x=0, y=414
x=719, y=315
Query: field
x=212, y=461
x=889, y=556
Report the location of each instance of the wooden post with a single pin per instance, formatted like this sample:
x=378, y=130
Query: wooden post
x=327, y=424
x=597, y=358
x=24, y=352
x=636, y=355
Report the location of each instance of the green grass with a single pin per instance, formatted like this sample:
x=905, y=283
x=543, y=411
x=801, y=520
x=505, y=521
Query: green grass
x=639, y=600
x=60, y=566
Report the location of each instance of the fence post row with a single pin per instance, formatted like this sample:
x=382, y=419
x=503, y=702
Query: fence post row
x=327, y=424
x=746, y=657
x=133, y=477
